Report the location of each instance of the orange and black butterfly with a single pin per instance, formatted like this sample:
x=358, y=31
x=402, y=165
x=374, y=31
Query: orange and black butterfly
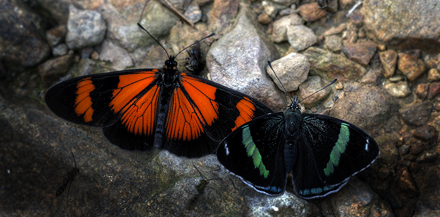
x=142, y=109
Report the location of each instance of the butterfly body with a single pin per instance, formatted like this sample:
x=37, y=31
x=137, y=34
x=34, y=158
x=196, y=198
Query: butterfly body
x=144, y=109
x=321, y=152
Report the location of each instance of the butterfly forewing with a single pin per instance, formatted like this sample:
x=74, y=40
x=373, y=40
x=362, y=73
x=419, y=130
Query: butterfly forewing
x=330, y=151
x=254, y=152
x=163, y=108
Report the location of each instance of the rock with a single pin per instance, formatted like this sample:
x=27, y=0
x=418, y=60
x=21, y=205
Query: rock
x=300, y=37
x=123, y=30
x=411, y=66
x=311, y=12
x=56, y=35
x=346, y=4
x=291, y=70
x=222, y=14
x=263, y=18
x=60, y=50
x=309, y=87
x=399, y=89
x=84, y=29
x=333, y=43
x=193, y=13
x=372, y=77
x=53, y=69
x=434, y=90
x=269, y=9
x=333, y=31
x=59, y=10
x=416, y=114
x=366, y=107
x=389, y=60
x=360, y=52
x=408, y=25
x=433, y=75
x=330, y=66
x=425, y=133
x=21, y=41
x=427, y=157
x=279, y=33
x=110, y=51
x=422, y=90
x=286, y=2
x=356, y=199
x=238, y=60
x=406, y=183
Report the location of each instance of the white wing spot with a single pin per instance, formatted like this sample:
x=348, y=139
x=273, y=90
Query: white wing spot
x=366, y=145
x=226, y=148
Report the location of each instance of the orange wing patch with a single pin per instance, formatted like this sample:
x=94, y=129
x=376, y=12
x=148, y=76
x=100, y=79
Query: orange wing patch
x=138, y=113
x=246, y=109
x=83, y=103
x=186, y=118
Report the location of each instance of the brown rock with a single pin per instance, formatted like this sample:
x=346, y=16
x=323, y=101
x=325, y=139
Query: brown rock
x=54, y=68
x=264, y=18
x=389, y=60
x=360, y=52
x=222, y=14
x=311, y=12
x=433, y=75
x=411, y=66
x=422, y=90
x=434, y=89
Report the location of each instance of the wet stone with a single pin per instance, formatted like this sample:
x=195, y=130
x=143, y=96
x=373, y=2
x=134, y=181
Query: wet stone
x=279, y=32
x=433, y=75
x=399, y=89
x=300, y=37
x=85, y=28
x=360, y=52
x=292, y=70
x=434, y=90
x=389, y=60
x=416, y=114
x=310, y=86
x=422, y=90
x=56, y=35
x=411, y=66
x=311, y=12
x=425, y=133
x=333, y=43
x=60, y=50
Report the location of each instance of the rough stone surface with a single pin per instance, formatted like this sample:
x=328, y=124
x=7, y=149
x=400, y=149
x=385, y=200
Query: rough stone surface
x=416, y=114
x=279, y=32
x=403, y=24
x=360, y=52
x=291, y=70
x=311, y=12
x=330, y=66
x=84, y=29
x=109, y=51
x=389, y=60
x=21, y=41
x=411, y=66
x=238, y=60
x=366, y=107
x=399, y=89
x=309, y=87
x=300, y=37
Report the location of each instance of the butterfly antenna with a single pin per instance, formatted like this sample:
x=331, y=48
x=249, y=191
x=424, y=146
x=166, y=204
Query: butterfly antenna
x=212, y=34
x=143, y=9
x=319, y=90
x=201, y=175
x=140, y=26
x=270, y=65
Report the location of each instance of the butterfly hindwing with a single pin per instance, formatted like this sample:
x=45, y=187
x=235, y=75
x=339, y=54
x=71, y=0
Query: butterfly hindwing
x=254, y=152
x=330, y=151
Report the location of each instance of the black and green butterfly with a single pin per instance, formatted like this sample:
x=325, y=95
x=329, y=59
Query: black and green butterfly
x=321, y=152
